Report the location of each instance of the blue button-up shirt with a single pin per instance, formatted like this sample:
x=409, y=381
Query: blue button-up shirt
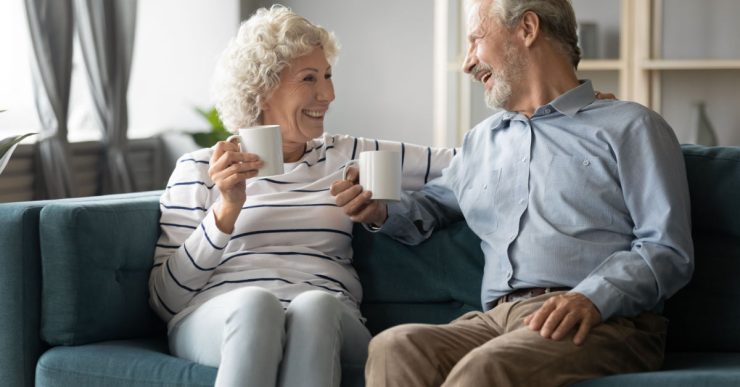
x=588, y=194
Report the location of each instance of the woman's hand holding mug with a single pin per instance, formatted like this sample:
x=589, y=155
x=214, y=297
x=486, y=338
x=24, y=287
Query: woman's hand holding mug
x=364, y=193
x=356, y=203
x=229, y=169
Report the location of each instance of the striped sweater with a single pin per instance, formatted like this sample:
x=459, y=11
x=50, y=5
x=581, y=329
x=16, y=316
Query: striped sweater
x=290, y=236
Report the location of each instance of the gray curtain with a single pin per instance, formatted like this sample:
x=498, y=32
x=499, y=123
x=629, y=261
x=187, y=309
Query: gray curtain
x=106, y=32
x=51, y=27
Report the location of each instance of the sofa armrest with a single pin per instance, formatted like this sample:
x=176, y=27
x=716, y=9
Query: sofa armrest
x=20, y=288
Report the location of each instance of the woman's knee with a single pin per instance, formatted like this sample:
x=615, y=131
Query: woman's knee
x=316, y=303
x=254, y=305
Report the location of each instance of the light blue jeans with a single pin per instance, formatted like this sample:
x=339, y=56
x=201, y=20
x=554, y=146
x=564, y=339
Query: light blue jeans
x=253, y=342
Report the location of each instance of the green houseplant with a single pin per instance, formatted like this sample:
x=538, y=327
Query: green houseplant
x=217, y=131
x=7, y=146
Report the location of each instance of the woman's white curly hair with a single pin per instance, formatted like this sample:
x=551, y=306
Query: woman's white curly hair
x=249, y=69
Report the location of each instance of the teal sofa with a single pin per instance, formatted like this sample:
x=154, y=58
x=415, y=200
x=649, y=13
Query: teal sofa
x=73, y=290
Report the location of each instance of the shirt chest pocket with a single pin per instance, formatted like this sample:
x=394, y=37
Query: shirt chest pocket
x=580, y=191
x=477, y=198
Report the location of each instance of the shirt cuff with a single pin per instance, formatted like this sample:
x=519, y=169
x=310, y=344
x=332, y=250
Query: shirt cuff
x=217, y=238
x=604, y=295
x=395, y=222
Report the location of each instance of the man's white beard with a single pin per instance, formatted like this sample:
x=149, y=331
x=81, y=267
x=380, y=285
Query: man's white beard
x=499, y=94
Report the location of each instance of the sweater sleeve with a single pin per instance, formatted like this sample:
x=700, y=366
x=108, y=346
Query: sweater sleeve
x=419, y=164
x=190, y=245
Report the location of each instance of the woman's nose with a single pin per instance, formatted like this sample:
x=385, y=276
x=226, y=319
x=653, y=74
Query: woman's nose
x=326, y=91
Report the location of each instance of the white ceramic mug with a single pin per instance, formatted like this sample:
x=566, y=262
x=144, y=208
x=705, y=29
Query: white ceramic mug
x=266, y=142
x=380, y=173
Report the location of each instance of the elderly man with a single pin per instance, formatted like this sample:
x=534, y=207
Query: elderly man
x=582, y=208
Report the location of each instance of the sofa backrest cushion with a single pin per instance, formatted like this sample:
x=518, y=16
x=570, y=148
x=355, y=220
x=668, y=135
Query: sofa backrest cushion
x=96, y=257
x=433, y=282
x=705, y=315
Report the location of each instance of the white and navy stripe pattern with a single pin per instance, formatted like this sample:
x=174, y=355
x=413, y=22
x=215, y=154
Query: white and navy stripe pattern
x=290, y=236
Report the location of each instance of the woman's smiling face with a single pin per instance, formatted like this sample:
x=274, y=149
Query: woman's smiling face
x=301, y=100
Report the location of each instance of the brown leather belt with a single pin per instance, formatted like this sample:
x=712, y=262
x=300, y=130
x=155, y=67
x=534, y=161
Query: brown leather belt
x=523, y=294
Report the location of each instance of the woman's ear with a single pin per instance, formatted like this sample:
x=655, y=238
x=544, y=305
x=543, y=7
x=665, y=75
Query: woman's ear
x=529, y=27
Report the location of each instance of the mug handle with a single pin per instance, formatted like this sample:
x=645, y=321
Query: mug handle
x=346, y=168
x=235, y=139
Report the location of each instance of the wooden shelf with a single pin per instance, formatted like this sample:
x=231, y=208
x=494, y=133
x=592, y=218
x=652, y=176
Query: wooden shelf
x=687, y=64
x=600, y=65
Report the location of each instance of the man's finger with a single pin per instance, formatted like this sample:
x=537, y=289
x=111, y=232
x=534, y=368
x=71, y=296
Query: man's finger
x=566, y=325
x=583, y=330
x=540, y=316
x=553, y=321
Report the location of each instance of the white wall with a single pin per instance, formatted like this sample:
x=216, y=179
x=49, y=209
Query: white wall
x=383, y=78
x=178, y=43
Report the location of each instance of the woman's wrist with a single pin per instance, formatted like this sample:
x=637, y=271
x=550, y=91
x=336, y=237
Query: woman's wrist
x=225, y=216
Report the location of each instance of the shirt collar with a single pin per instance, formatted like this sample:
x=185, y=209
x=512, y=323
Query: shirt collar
x=568, y=103
x=501, y=120
x=574, y=99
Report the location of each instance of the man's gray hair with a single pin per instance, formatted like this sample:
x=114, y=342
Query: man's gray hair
x=557, y=21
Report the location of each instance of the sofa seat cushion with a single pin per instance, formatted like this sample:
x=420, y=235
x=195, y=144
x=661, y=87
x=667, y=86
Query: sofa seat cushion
x=681, y=369
x=140, y=362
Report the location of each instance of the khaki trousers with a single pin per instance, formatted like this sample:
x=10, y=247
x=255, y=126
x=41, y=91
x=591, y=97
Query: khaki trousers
x=496, y=349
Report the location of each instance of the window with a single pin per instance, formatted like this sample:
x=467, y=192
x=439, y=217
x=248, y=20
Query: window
x=174, y=57
x=16, y=91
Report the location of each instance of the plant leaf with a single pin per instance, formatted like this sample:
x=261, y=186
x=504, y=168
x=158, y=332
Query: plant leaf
x=217, y=130
x=7, y=146
x=6, y=143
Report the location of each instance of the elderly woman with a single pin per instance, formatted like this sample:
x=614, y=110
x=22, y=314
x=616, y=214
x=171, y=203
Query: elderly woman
x=254, y=275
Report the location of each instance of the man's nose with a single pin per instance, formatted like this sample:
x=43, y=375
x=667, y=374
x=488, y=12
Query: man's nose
x=469, y=62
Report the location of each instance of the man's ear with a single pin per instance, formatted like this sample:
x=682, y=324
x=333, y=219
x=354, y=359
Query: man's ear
x=529, y=28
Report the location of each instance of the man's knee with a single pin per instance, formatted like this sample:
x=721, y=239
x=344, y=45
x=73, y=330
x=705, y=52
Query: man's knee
x=490, y=364
x=395, y=339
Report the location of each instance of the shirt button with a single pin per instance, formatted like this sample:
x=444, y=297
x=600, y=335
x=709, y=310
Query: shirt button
x=547, y=111
x=586, y=163
x=524, y=159
x=521, y=201
x=509, y=274
x=485, y=186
